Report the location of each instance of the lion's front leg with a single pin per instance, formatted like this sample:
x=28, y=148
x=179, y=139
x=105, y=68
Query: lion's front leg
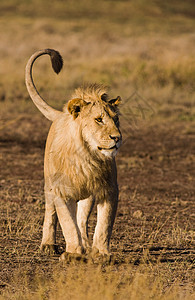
x=66, y=211
x=84, y=208
x=106, y=212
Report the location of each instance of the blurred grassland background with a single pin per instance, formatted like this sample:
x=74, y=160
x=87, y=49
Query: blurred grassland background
x=143, y=46
x=146, y=46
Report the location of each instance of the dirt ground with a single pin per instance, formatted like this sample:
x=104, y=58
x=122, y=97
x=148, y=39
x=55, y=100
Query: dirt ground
x=155, y=216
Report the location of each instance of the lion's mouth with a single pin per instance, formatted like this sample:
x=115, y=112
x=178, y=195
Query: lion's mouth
x=113, y=147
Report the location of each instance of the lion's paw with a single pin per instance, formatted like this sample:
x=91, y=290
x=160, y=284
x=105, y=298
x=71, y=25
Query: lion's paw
x=68, y=257
x=49, y=249
x=102, y=258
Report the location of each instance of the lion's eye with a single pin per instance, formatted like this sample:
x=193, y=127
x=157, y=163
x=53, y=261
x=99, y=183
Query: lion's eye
x=99, y=120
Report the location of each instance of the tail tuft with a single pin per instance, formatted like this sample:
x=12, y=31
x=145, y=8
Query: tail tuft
x=56, y=60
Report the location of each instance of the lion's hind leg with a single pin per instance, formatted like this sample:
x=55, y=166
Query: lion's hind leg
x=48, y=244
x=84, y=208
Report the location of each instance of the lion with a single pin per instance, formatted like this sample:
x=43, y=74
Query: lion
x=79, y=164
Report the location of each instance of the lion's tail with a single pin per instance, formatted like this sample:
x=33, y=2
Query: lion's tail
x=57, y=64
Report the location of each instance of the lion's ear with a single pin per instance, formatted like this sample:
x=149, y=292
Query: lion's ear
x=104, y=97
x=116, y=102
x=75, y=105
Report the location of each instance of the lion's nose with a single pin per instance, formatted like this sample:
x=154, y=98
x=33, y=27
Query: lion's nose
x=116, y=138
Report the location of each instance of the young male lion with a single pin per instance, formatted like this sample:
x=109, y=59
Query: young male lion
x=79, y=165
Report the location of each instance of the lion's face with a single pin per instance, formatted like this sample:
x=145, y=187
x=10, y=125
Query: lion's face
x=99, y=125
x=100, y=129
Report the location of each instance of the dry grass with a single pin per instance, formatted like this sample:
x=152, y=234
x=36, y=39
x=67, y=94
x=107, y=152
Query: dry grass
x=89, y=282
x=130, y=46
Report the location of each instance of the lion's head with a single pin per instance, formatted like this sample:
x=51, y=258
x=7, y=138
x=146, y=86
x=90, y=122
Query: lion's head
x=98, y=119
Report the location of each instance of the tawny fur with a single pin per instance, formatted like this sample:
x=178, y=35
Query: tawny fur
x=79, y=163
